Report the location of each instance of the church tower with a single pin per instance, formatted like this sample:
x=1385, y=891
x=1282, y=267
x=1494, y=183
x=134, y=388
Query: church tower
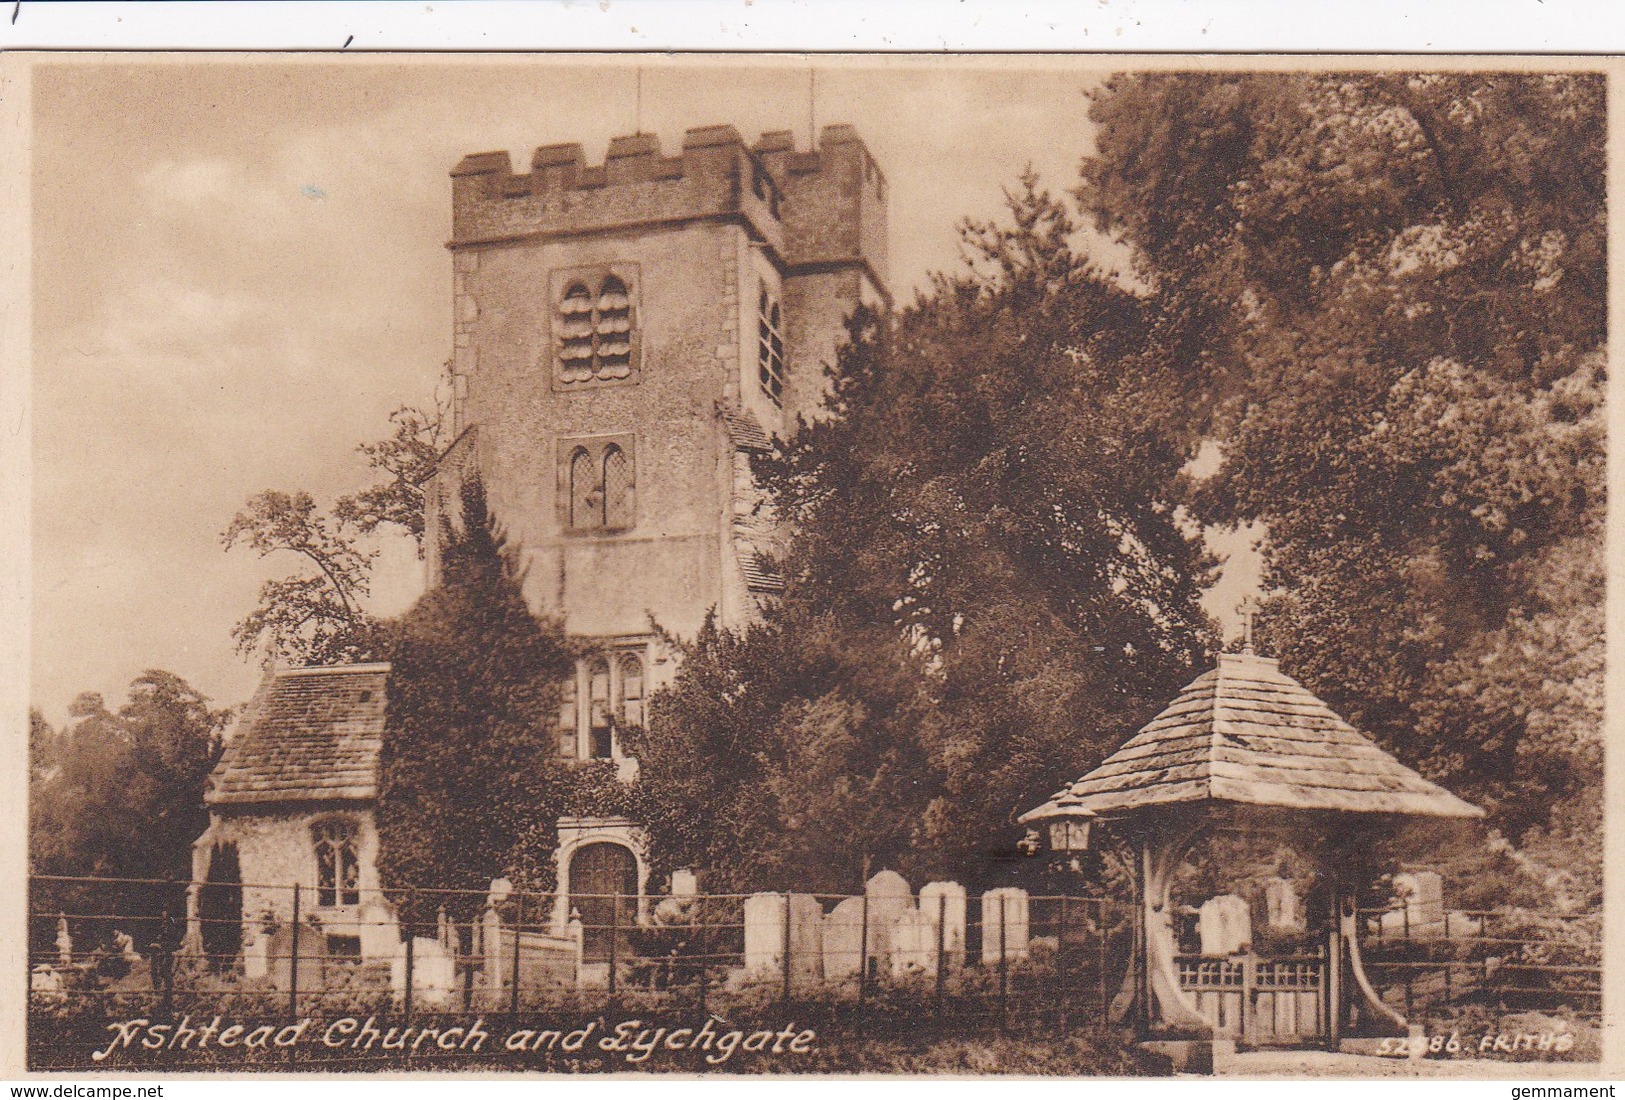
x=626, y=334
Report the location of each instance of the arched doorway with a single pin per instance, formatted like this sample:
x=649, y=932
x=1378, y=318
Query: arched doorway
x=220, y=908
x=604, y=889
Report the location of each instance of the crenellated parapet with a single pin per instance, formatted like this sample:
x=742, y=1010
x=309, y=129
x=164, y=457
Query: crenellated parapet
x=817, y=207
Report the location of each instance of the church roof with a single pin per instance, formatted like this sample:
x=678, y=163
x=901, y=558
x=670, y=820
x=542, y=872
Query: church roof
x=760, y=574
x=1246, y=732
x=310, y=733
x=744, y=429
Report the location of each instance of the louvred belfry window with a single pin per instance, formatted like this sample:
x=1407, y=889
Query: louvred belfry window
x=595, y=336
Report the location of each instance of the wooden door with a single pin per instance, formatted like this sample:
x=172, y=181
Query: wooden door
x=603, y=889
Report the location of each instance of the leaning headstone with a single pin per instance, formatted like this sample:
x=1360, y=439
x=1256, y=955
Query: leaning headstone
x=889, y=898
x=1282, y=910
x=1225, y=925
x=914, y=945
x=1004, y=924
x=945, y=901
x=806, y=938
x=843, y=939
x=764, y=934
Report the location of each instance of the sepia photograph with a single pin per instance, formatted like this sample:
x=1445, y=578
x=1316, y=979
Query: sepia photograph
x=1048, y=565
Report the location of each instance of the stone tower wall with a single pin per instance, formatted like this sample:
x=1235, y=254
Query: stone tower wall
x=696, y=236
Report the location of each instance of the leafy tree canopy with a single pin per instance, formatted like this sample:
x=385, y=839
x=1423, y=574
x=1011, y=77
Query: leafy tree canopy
x=318, y=616
x=989, y=579
x=120, y=794
x=1398, y=282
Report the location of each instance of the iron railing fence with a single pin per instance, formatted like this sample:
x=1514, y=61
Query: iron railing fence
x=1509, y=959
x=106, y=950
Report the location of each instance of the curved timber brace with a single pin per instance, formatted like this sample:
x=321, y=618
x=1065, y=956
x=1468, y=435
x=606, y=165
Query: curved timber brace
x=1151, y=996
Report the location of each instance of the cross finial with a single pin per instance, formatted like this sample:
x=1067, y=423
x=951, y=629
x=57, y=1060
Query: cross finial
x=1249, y=612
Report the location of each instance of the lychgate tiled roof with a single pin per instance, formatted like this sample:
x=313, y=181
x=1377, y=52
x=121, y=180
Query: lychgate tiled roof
x=310, y=733
x=1247, y=732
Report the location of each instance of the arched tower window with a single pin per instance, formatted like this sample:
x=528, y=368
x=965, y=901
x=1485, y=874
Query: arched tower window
x=770, y=346
x=338, y=871
x=595, y=337
x=597, y=483
x=617, y=488
x=631, y=689
x=600, y=732
x=607, y=692
x=586, y=496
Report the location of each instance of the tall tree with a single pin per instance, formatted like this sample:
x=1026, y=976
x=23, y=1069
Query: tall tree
x=319, y=615
x=469, y=765
x=124, y=797
x=989, y=579
x=1398, y=283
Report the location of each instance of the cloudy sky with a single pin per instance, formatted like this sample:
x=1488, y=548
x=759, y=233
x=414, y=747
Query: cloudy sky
x=239, y=270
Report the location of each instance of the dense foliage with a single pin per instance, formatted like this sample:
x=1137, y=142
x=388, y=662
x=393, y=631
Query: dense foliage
x=1400, y=282
x=469, y=766
x=989, y=581
x=120, y=793
x=1377, y=298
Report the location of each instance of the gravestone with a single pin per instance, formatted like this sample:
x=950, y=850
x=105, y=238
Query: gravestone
x=1225, y=925
x=380, y=934
x=1004, y=907
x=764, y=934
x=255, y=950
x=488, y=947
x=312, y=957
x=843, y=939
x=1422, y=893
x=45, y=979
x=914, y=944
x=889, y=898
x=945, y=901
x=434, y=972
x=684, y=884
x=806, y=938
x=1282, y=909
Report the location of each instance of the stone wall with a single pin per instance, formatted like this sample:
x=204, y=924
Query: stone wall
x=275, y=851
